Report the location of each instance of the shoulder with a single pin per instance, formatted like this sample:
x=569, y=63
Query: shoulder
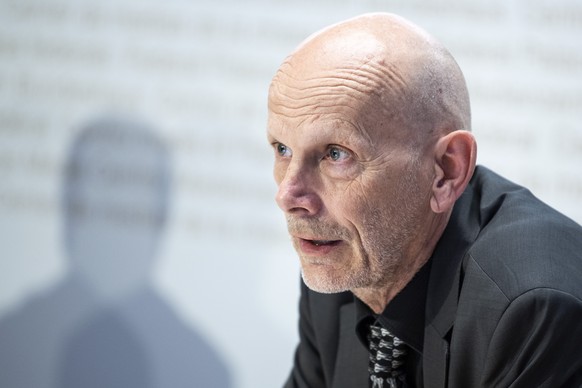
x=523, y=243
x=534, y=342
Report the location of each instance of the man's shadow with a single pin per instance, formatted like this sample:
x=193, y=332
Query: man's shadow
x=104, y=325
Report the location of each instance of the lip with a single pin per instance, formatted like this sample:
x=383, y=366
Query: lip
x=317, y=247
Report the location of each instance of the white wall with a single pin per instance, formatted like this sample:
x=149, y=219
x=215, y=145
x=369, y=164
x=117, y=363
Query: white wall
x=197, y=73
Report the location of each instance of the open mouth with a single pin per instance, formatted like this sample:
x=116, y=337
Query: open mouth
x=318, y=247
x=319, y=243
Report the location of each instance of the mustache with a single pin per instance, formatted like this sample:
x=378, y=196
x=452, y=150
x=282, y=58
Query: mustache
x=316, y=228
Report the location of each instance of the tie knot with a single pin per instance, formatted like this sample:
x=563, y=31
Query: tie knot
x=387, y=354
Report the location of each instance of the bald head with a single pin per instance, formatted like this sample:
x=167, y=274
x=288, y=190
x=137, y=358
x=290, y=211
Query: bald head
x=382, y=67
x=368, y=120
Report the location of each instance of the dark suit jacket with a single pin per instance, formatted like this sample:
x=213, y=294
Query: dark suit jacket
x=503, y=308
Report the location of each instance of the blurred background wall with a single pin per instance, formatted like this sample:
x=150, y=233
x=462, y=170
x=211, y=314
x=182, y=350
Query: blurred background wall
x=140, y=243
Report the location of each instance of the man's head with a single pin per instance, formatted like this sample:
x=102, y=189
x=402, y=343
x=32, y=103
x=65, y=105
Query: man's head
x=369, y=119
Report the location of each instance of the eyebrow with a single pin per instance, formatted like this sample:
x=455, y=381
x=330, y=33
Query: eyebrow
x=270, y=138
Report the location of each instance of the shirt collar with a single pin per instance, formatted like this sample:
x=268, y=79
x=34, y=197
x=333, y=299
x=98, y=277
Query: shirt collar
x=404, y=315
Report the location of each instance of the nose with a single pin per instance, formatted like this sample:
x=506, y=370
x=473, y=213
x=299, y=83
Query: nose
x=297, y=194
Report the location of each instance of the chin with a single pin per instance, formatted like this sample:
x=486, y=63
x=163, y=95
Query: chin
x=324, y=283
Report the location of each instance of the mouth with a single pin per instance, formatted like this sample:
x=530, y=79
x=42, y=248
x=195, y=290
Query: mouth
x=319, y=243
x=317, y=247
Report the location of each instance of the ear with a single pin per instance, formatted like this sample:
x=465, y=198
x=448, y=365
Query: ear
x=455, y=156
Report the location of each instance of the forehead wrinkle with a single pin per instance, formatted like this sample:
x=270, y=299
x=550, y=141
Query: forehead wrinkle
x=371, y=72
x=313, y=100
x=348, y=129
x=321, y=110
x=331, y=86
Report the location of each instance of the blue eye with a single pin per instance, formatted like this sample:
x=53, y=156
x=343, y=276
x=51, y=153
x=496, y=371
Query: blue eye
x=337, y=154
x=282, y=149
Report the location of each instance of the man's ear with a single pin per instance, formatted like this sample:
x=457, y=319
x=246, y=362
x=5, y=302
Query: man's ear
x=455, y=156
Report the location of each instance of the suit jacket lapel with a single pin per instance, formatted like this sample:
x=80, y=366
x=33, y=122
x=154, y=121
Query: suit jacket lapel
x=441, y=308
x=444, y=287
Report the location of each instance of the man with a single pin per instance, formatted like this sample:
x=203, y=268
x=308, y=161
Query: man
x=419, y=269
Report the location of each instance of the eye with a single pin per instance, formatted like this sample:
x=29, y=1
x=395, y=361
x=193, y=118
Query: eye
x=282, y=149
x=337, y=154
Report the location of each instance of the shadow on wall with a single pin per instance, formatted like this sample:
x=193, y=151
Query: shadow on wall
x=104, y=325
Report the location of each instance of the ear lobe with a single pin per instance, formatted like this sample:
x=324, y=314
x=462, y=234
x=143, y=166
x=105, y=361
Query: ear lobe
x=455, y=156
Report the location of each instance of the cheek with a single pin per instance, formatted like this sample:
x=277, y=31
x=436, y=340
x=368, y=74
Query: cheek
x=354, y=202
x=367, y=202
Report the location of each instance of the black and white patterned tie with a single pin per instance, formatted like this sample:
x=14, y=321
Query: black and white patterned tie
x=387, y=354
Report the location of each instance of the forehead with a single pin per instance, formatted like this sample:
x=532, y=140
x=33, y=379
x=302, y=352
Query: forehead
x=332, y=106
x=345, y=78
x=351, y=67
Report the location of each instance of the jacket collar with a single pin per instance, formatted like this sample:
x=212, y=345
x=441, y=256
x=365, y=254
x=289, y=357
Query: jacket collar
x=445, y=282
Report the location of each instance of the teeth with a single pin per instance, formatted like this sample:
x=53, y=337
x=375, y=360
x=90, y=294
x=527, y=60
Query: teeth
x=320, y=242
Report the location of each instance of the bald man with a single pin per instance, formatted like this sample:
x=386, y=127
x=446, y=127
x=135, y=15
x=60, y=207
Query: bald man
x=419, y=269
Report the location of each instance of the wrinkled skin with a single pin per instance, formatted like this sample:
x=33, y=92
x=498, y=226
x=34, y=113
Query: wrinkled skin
x=360, y=120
